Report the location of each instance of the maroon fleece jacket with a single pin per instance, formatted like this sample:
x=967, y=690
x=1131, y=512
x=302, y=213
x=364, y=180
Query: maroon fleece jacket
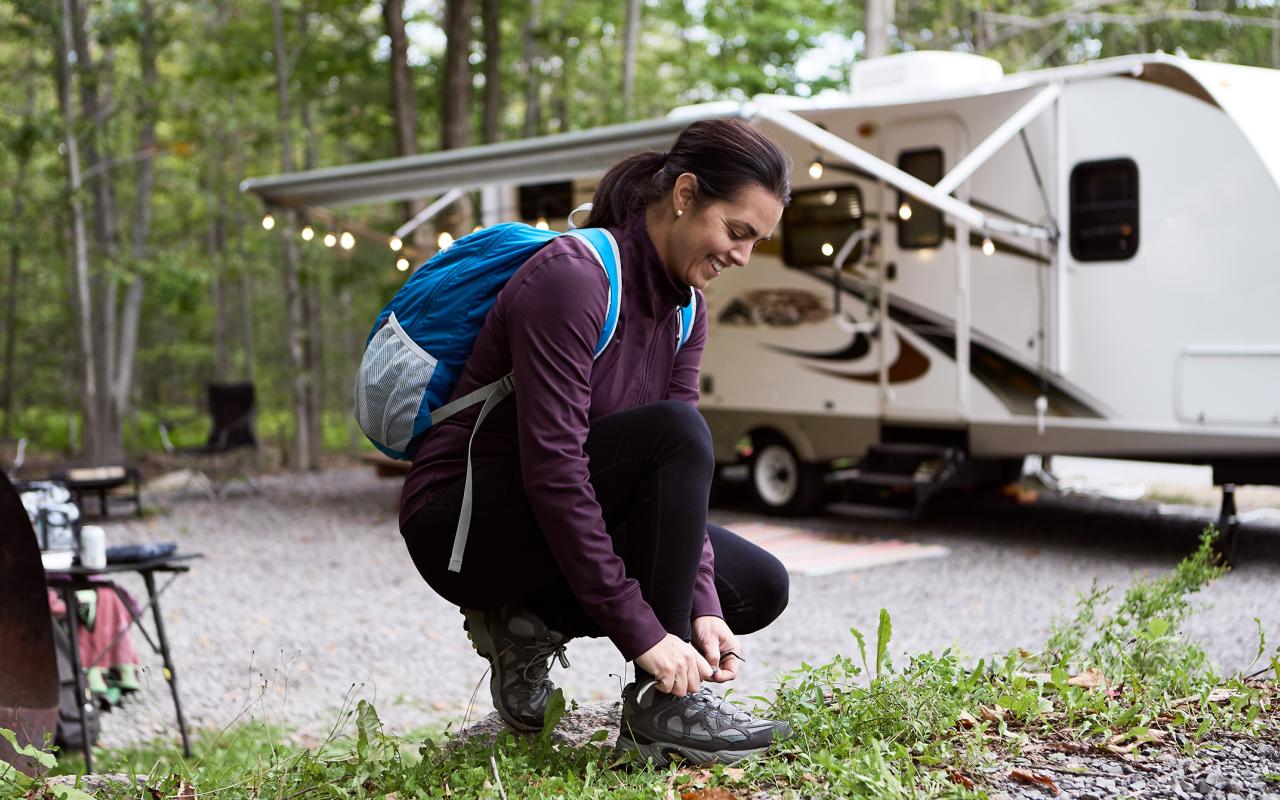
x=544, y=327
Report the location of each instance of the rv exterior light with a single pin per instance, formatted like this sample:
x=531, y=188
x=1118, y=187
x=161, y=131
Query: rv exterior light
x=268, y=222
x=829, y=197
x=541, y=224
x=445, y=240
x=308, y=233
x=827, y=249
x=402, y=264
x=988, y=246
x=904, y=211
x=347, y=240
x=815, y=169
x=395, y=244
x=330, y=240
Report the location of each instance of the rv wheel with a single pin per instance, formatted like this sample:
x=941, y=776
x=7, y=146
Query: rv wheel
x=782, y=483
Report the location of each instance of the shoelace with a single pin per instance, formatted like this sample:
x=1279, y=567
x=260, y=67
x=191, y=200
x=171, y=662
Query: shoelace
x=541, y=655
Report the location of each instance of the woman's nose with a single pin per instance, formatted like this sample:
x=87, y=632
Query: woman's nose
x=740, y=255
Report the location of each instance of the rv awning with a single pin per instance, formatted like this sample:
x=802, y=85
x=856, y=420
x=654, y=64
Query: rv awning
x=546, y=158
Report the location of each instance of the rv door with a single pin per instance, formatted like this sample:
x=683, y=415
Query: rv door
x=918, y=376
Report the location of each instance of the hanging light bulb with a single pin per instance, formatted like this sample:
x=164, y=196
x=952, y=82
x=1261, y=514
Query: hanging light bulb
x=988, y=246
x=827, y=249
x=268, y=222
x=307, y=233
x=904, y=211
x=395, y=244
x=541, y=224
x=347, y=240
x=330, y=240
x=402, y=264
x=815, y=169
x=445, y=240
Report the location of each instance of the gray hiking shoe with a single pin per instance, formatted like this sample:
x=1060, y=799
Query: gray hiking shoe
x=520, y=648
x=700, y=727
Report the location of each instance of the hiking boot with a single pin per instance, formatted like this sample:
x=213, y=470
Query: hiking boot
x=520, y=648
x=700, y=727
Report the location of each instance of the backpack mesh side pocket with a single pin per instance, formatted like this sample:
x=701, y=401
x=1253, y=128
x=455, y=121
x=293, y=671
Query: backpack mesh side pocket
x=390, y=386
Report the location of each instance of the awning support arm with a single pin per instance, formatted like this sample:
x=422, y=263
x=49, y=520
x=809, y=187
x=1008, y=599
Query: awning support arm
x=830, y=143
x=998, y=138
x=427, y=213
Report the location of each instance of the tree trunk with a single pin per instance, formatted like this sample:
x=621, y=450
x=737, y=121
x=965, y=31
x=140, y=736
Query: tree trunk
x=631, y=33
x=81, y=304
x=15, y=272
x=404, y=105
x=289, y=256
x=532, y=70
x=455, y=105
x=312, y=296
x=492, y=71
x=876, y=28
x=131, y=314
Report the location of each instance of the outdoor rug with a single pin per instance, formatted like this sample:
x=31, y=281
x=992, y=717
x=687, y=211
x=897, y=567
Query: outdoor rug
x=810, y=552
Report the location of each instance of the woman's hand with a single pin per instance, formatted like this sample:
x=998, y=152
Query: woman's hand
x=677, y=667
x=715, y=641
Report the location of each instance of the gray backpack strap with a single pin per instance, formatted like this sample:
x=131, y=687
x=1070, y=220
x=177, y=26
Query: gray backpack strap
x=493, y=394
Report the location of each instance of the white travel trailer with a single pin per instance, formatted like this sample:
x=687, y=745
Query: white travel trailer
x=974, y=267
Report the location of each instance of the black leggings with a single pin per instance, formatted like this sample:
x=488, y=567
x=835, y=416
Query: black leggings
x=651, y=471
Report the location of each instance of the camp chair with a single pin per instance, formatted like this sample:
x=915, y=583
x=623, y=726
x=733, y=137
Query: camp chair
x=28, y=663
x=231, y=406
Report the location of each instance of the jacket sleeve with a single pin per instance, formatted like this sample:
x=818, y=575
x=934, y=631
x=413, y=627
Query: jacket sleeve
x=553, y=319
x=684, y=387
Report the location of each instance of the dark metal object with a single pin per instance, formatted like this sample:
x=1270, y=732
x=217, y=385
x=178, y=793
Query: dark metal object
x=28, y=663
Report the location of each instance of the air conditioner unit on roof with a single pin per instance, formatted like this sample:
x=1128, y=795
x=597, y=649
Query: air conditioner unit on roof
x=921, y=72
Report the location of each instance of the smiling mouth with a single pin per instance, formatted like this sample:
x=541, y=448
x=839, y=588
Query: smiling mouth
x=717, y=266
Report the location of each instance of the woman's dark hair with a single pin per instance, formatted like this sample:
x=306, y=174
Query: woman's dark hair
x=726, y=156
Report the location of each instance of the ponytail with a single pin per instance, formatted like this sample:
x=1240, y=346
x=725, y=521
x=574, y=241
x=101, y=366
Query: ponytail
x=725, y=155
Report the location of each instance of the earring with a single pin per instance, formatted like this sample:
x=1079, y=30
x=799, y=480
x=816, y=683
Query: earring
x=679, y=212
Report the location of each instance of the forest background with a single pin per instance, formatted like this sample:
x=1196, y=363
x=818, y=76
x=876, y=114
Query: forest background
x=135, y=272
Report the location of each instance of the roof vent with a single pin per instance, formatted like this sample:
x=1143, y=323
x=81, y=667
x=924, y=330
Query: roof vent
x=921, y=72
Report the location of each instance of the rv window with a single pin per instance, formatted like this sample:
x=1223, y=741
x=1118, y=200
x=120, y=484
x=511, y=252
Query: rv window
x=919, y=225
x=817, y=223
x=1104, y=210
x=546, y=200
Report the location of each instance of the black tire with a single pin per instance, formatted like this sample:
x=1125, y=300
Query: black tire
x=781, y=483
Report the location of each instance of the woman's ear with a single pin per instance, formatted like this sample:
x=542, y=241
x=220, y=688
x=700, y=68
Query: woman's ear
x=685, y=191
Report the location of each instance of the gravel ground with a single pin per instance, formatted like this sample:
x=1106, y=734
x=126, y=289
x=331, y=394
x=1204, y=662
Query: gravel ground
x=306, y=600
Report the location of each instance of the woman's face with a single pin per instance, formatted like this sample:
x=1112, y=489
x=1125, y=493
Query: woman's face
x=708, y=239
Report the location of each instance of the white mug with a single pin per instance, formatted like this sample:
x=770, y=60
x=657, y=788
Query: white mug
x=93, y=547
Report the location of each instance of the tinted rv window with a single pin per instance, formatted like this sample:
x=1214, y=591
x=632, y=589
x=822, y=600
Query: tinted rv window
x=546, y=200
x=817, y=223
x=1104, y=210
x=919, y=225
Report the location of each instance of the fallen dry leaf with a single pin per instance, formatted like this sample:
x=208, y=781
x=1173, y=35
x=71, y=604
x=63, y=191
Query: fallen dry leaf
x=966, y=720
x=991, y=713
x=1089, y=679
x=962, y=779
x=714, y=793
x=734, y=773
x=186, y=791
x=1034, y=778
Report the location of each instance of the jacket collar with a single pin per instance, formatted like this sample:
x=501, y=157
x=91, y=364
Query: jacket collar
x=658, y=290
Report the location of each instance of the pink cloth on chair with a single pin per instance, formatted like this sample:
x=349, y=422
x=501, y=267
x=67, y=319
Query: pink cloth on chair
x=96, y=647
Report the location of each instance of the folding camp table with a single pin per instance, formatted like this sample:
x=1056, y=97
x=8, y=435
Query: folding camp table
x=71, y=579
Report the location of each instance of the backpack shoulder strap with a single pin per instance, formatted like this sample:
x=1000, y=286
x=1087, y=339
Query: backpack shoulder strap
x=605, y=248
x=688, y=313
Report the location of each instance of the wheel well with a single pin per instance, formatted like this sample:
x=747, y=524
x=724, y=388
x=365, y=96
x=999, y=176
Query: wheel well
x=790, y=434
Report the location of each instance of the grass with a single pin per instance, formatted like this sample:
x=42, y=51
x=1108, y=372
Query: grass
x=1117, y=677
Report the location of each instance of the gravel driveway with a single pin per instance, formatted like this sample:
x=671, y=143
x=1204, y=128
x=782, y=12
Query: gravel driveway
x=306, y=600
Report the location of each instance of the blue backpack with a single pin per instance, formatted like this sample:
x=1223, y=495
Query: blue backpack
x=423, y=337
